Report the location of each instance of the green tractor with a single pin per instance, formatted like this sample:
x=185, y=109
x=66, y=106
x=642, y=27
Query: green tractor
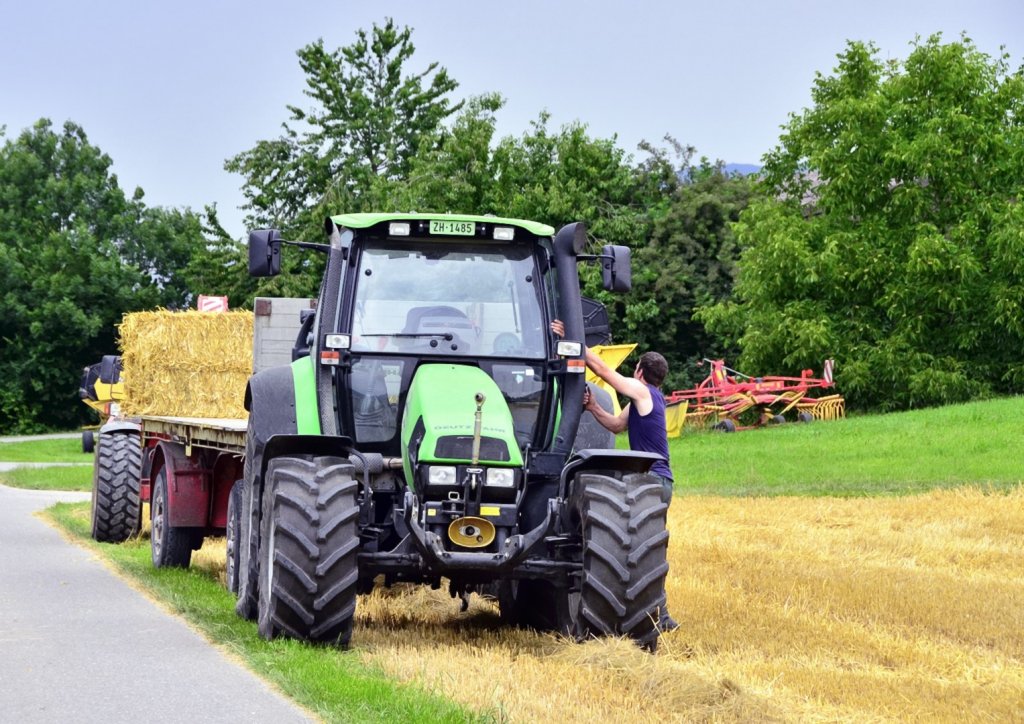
x=426, y=432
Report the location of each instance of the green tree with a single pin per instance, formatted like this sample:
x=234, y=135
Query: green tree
x=690, y=260
x=892, y=239
x=368, y=121
x=75, y=254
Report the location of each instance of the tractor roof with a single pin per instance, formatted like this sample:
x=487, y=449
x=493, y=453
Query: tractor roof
x=364, y=221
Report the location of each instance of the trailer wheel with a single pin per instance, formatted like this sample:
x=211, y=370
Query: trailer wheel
x=231, y=534
x=88, y=441
x=777, y=420
x=116, y=481
x=625, y=549
x=805, y=417
x=248, y=551
x=725, y=426
x=308, y=566
x=171, y=546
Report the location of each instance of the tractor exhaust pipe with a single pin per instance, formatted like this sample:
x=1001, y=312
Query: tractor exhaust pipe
x=570, y=242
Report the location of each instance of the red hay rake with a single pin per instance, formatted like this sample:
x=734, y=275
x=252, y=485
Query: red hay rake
x=729, y=400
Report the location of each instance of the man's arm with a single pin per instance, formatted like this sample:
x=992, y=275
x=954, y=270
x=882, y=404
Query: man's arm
x=629, y=387
x=610, y=422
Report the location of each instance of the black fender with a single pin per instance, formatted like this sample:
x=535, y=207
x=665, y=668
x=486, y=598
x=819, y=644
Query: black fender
x=316, y=445
x=625, y=461
x=270, y=400
x=121, y=424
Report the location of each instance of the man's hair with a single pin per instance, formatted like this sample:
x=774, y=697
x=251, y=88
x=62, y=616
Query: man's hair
x=654, y=367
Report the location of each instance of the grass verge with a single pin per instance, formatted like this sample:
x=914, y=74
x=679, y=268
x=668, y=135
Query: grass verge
x=337, y=686
x=895, y=454
x=76, y=478
x=60, y=450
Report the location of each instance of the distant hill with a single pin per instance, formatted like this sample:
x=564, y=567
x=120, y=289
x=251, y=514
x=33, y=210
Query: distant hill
x=744, y=169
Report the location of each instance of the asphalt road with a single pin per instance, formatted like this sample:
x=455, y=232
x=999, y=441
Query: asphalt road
x=78, y=644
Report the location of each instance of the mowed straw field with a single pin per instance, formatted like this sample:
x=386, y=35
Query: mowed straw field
x=869, y=609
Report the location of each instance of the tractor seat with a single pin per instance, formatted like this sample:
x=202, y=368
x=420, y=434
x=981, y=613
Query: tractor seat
x=439, y=320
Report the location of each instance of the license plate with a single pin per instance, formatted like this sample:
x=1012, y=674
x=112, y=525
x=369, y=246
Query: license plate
x=452, y=228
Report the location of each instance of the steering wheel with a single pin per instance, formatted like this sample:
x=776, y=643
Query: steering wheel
x=506, y=343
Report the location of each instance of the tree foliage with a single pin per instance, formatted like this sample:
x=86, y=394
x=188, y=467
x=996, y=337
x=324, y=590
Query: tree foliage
x=75, y=253
x=689, y=260
x=369, y=118
x=358, y=150
x=893, y=236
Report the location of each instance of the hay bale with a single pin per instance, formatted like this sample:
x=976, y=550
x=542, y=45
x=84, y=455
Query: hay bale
x=187, y=364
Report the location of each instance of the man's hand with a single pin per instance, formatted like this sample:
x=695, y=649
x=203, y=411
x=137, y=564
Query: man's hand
x=558, y=328
x=589, y=401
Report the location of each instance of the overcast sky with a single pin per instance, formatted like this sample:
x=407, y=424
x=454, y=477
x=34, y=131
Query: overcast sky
x=169, y=90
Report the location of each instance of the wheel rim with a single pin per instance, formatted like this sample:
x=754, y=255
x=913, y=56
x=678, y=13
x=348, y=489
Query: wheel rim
x=232, y=543
x=158, y=517
x=270, y=559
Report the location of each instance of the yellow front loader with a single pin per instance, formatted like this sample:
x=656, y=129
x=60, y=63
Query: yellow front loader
x=101, y=389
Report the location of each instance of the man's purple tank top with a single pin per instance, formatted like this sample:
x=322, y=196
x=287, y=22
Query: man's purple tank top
x=648, y=433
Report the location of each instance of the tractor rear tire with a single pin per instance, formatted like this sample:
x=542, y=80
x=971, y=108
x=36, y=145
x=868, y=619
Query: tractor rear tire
x=309, y=569
x=170, y=547
x=591, y=434
x=625, y=556
x=232, y=534
x=116, y=483
x=247, y=590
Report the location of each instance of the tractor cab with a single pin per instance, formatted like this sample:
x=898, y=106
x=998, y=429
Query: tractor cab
x=441, y=409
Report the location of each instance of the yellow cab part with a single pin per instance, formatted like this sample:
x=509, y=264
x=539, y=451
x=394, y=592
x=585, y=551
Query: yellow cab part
x=612, y=355
x=108, y=393
x=105, y=395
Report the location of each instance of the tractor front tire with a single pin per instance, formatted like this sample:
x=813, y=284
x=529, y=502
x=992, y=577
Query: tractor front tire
x=171, y=547
x=116, y=483
x=625, y=556
x=308, y=550
x=232, y=534
x=88, y=441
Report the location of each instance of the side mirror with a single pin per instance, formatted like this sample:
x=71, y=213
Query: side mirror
x=264, y=253
x=616, y=268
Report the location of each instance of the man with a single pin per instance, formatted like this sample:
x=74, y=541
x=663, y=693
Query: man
x=643, y=418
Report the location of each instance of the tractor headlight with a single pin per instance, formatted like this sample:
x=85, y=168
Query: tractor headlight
x=501, y=477
x=441, y=475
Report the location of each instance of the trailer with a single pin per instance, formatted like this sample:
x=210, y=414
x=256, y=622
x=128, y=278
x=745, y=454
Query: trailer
x=184, y=467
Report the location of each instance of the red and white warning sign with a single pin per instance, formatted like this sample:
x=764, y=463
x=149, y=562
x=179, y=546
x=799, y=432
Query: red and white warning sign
x=212, y=304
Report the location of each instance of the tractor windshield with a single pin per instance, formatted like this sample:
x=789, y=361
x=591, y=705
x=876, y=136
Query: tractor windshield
x=466, y=299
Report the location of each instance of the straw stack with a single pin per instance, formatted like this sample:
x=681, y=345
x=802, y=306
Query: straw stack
x=186, y=364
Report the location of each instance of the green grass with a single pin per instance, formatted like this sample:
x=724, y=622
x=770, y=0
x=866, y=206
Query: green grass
x=60, y=450
x=76, y=478
x=900, y=453
x=336, y=685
